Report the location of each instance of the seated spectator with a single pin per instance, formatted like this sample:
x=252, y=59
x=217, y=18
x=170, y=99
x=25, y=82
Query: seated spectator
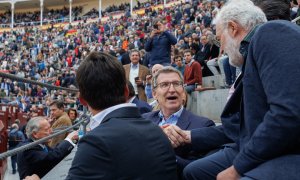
x=192, y=72
x=41, y=159
x=179, y=64
x=15, y=137
x=203, y=55
x=72, y=113
x=148, y=88
x=168, y=90
x=60, y=119
x=143, y=106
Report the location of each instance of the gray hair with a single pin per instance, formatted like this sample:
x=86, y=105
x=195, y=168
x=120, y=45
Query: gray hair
x=243, y=12
x=33, y=125
x=165, y=70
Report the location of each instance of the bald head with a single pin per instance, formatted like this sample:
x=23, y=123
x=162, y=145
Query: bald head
x=155, y=68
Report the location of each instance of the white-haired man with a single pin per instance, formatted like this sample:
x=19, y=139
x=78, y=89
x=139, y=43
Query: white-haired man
x=41, y=158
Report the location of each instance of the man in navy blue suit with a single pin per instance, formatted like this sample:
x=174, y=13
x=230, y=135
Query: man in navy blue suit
x=41, y=159
x=121, y=144
x=143, y=106
x=168, y=90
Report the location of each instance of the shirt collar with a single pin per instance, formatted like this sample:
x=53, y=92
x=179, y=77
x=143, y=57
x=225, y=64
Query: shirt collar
x=131, y=99
x=97, y=119
x=134, y=66
x=172, y=119
x=189, y=64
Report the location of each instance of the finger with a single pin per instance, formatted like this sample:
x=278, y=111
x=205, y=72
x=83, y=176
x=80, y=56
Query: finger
x=175, y=137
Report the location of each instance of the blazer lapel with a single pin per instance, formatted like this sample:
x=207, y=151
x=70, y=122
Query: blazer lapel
x=183, y=121
x=127, y=71
x=156, y=119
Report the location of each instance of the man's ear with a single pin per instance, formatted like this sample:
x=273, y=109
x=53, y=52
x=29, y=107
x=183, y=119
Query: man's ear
x=34, y=135
x=233, y=28
x=82, y=101
x=126, y=92
x=154, y=94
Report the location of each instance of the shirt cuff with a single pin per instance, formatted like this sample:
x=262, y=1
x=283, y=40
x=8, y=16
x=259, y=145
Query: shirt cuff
x=70, y=141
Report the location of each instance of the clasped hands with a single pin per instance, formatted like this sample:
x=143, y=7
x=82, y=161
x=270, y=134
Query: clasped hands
x=177, y=136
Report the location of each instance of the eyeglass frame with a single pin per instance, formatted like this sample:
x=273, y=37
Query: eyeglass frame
x=180, y=83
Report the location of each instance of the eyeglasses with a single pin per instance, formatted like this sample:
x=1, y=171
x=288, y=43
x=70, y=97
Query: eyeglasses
x=166, y=85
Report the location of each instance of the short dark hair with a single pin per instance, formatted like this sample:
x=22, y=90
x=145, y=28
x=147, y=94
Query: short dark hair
x=187, y=51
x=274, y=9
x=178, y=56
x=101, y=81
x=58, y=103
x=72, y=109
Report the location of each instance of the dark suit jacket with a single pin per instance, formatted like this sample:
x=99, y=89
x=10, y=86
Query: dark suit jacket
x=142, y=106
x=143, y=72
x=124, y=146
x=37, y=161
x=270, y=127
x=187, y=121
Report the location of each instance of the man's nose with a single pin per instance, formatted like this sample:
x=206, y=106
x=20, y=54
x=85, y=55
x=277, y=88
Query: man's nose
x=171, y=88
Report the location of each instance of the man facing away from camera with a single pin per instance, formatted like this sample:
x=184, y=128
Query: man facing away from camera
x=121, y=144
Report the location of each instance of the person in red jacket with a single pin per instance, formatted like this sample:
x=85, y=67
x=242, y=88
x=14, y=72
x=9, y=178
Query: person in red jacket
x=192, y=72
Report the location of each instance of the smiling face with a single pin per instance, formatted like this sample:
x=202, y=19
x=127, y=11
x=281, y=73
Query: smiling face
x=135, y=57
x=170, y=99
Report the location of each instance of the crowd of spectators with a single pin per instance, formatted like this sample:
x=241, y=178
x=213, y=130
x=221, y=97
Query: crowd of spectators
x=27, y=18
x=52, y=56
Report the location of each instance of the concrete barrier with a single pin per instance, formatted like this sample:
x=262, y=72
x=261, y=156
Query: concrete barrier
x=208, y=103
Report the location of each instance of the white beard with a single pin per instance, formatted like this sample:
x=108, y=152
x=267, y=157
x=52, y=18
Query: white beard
x=232, y=49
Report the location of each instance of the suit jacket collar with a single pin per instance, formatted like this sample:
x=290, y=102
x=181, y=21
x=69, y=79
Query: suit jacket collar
x=183, y=121
x=135, y=100
x=124, y=112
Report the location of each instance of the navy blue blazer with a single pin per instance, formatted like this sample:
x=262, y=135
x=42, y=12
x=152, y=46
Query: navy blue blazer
x=187, y=121
x=142, y=105
x=38, y=161
x=124, y=146
x=270, y=127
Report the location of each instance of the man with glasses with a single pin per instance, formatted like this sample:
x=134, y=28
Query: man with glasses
x=192, y=72
x=168, y=90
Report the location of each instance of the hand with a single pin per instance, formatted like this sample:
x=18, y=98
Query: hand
x=229, y=173
x=177, y=136
x=73, y=136
x=148, y=78
x=32, y=177
x=154, y=32
x=139, y=82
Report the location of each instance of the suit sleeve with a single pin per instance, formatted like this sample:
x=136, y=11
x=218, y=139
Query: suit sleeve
x=38, y=156
x=92, y=158
x=171, y=38
x=274, y=56
x=208, y=138
x=148, y=44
